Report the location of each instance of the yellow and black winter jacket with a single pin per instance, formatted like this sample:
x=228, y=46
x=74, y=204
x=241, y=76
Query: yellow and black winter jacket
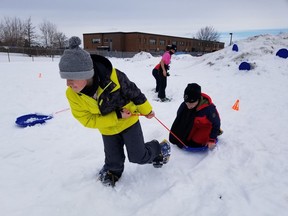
x=114, y=92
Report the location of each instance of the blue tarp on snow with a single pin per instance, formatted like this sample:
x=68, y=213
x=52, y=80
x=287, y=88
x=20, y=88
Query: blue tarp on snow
x=244, y=66
x=235, y=48
x=283, y=53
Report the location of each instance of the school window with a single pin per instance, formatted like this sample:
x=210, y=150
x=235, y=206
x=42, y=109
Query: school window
x=106, y=40
x=96, y=40
x=162, y=42
x=152, y=42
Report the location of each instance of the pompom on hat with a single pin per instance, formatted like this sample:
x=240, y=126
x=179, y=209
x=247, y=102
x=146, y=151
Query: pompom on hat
x=76, y=63
x=192, y=93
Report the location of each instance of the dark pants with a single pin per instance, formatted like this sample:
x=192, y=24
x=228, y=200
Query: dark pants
x=162, y=85
x=155, y=73
x=138, y=151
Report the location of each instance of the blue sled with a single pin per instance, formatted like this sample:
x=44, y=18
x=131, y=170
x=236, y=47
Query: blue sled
x=32, y=119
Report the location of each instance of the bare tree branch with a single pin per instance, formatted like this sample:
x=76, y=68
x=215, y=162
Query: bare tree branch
x=208, y=33
x=12, y=32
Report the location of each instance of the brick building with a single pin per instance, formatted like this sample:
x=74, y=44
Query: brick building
x=139, y=41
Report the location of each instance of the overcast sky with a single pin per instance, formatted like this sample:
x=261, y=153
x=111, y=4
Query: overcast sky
x=178, y=18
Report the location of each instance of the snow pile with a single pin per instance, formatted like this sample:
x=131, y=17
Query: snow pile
x=141, y=56
x=254, y=50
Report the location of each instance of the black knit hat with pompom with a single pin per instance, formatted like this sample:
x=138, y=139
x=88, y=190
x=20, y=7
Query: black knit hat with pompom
x=76, y=63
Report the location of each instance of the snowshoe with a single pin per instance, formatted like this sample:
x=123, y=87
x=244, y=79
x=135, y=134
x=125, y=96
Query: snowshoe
x=163, y=99
x=107, y=178
x=162, y=158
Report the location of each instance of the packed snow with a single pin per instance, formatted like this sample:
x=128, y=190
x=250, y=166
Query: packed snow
x=50, y=169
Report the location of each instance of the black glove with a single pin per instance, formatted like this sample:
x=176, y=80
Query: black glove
x=118, y=113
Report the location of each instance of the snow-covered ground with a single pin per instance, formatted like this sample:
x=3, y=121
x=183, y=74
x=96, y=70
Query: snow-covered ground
x=50, y=169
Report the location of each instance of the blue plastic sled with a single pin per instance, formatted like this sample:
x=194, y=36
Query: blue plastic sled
x=195, y=149
x=32, y=119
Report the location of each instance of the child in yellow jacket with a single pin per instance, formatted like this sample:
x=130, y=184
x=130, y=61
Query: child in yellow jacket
x=103, y=97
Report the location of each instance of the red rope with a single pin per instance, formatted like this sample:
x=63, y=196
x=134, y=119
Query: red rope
x=62, y=110
x=164, y=127
x=170, y=131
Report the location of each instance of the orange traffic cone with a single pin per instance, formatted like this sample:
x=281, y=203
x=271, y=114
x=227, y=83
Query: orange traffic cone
x=236, y=105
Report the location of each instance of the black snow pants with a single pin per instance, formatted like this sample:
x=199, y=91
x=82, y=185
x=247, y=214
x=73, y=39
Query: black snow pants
x=138, y=151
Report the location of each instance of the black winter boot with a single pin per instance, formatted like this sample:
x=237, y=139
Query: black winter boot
x=108, y=178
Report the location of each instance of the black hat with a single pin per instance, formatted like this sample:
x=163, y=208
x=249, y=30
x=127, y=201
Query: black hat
x=192, y=93
x=174, y=47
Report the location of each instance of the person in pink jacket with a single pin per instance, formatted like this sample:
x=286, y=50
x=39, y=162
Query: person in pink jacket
x=163, y=72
